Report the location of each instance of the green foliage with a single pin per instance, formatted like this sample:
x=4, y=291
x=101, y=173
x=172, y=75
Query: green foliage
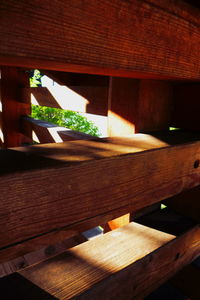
x=65, y=118
x=35, y=79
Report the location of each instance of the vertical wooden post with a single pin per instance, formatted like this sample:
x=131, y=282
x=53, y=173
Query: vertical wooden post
x=122, y=113
x=185, y=115
x=154, y=105
x=13, y=80
x=122, y=106
x=137, y=106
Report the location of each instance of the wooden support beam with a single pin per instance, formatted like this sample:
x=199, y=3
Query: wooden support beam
x=112, y=265
x=89, y=99
x=122, y=105
x=137, y=106
x=23, y=260
x=122, y=112
x=76, y=79
x=21, y=249
x=186, y=106
x=63, y=181
x=154, y=106
x=109, y=38
x=46, y=132
x=14, y=104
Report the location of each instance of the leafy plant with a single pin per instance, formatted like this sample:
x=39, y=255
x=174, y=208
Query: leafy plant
x=35, y=78
x=65, y=118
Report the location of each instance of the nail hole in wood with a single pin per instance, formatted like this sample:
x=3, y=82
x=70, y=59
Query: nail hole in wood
x=177, y=256
x=196, y=163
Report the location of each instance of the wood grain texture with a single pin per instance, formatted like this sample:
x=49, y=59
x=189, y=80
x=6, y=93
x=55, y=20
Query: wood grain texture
x=23, y=260
x=89, y=99
x=75, y=181
x=113, y=265
x=153, y=38
x=14, y=104
x=21, y=249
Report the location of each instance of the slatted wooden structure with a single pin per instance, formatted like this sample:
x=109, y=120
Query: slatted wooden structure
x=138, y=63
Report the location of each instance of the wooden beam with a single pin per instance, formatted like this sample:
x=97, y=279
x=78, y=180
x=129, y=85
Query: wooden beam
x=76, y=79
x=154, y=106
x=23, y=260
x=110, y=38
x=25, y=247
x=186, y=106
x=89, y=99
x=122, y=106
x=112, y=265
x=14, y=104
x=46, y=132
x=137, y=106
x=63, y=182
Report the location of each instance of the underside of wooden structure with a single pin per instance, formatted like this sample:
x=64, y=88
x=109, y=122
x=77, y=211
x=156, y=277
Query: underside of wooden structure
x=137, y=63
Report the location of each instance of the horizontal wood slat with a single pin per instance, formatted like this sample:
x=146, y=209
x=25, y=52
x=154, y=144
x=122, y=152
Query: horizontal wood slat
x=56, y=236
x=75, y=181
x=88, y=99
x=112, y=265
x=50, y=133
x=77, y=79
x=153, y=38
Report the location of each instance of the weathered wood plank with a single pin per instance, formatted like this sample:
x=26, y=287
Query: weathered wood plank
x=56, y=236
x=23, y=260
x=63, y=181
x=90, y=99
x=154, y=38
x=113, y=265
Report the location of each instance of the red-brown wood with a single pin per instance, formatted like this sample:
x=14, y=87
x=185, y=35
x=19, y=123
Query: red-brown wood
x=122, y=106
x=154, y=105
x=14, y=104
x=156, y=38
